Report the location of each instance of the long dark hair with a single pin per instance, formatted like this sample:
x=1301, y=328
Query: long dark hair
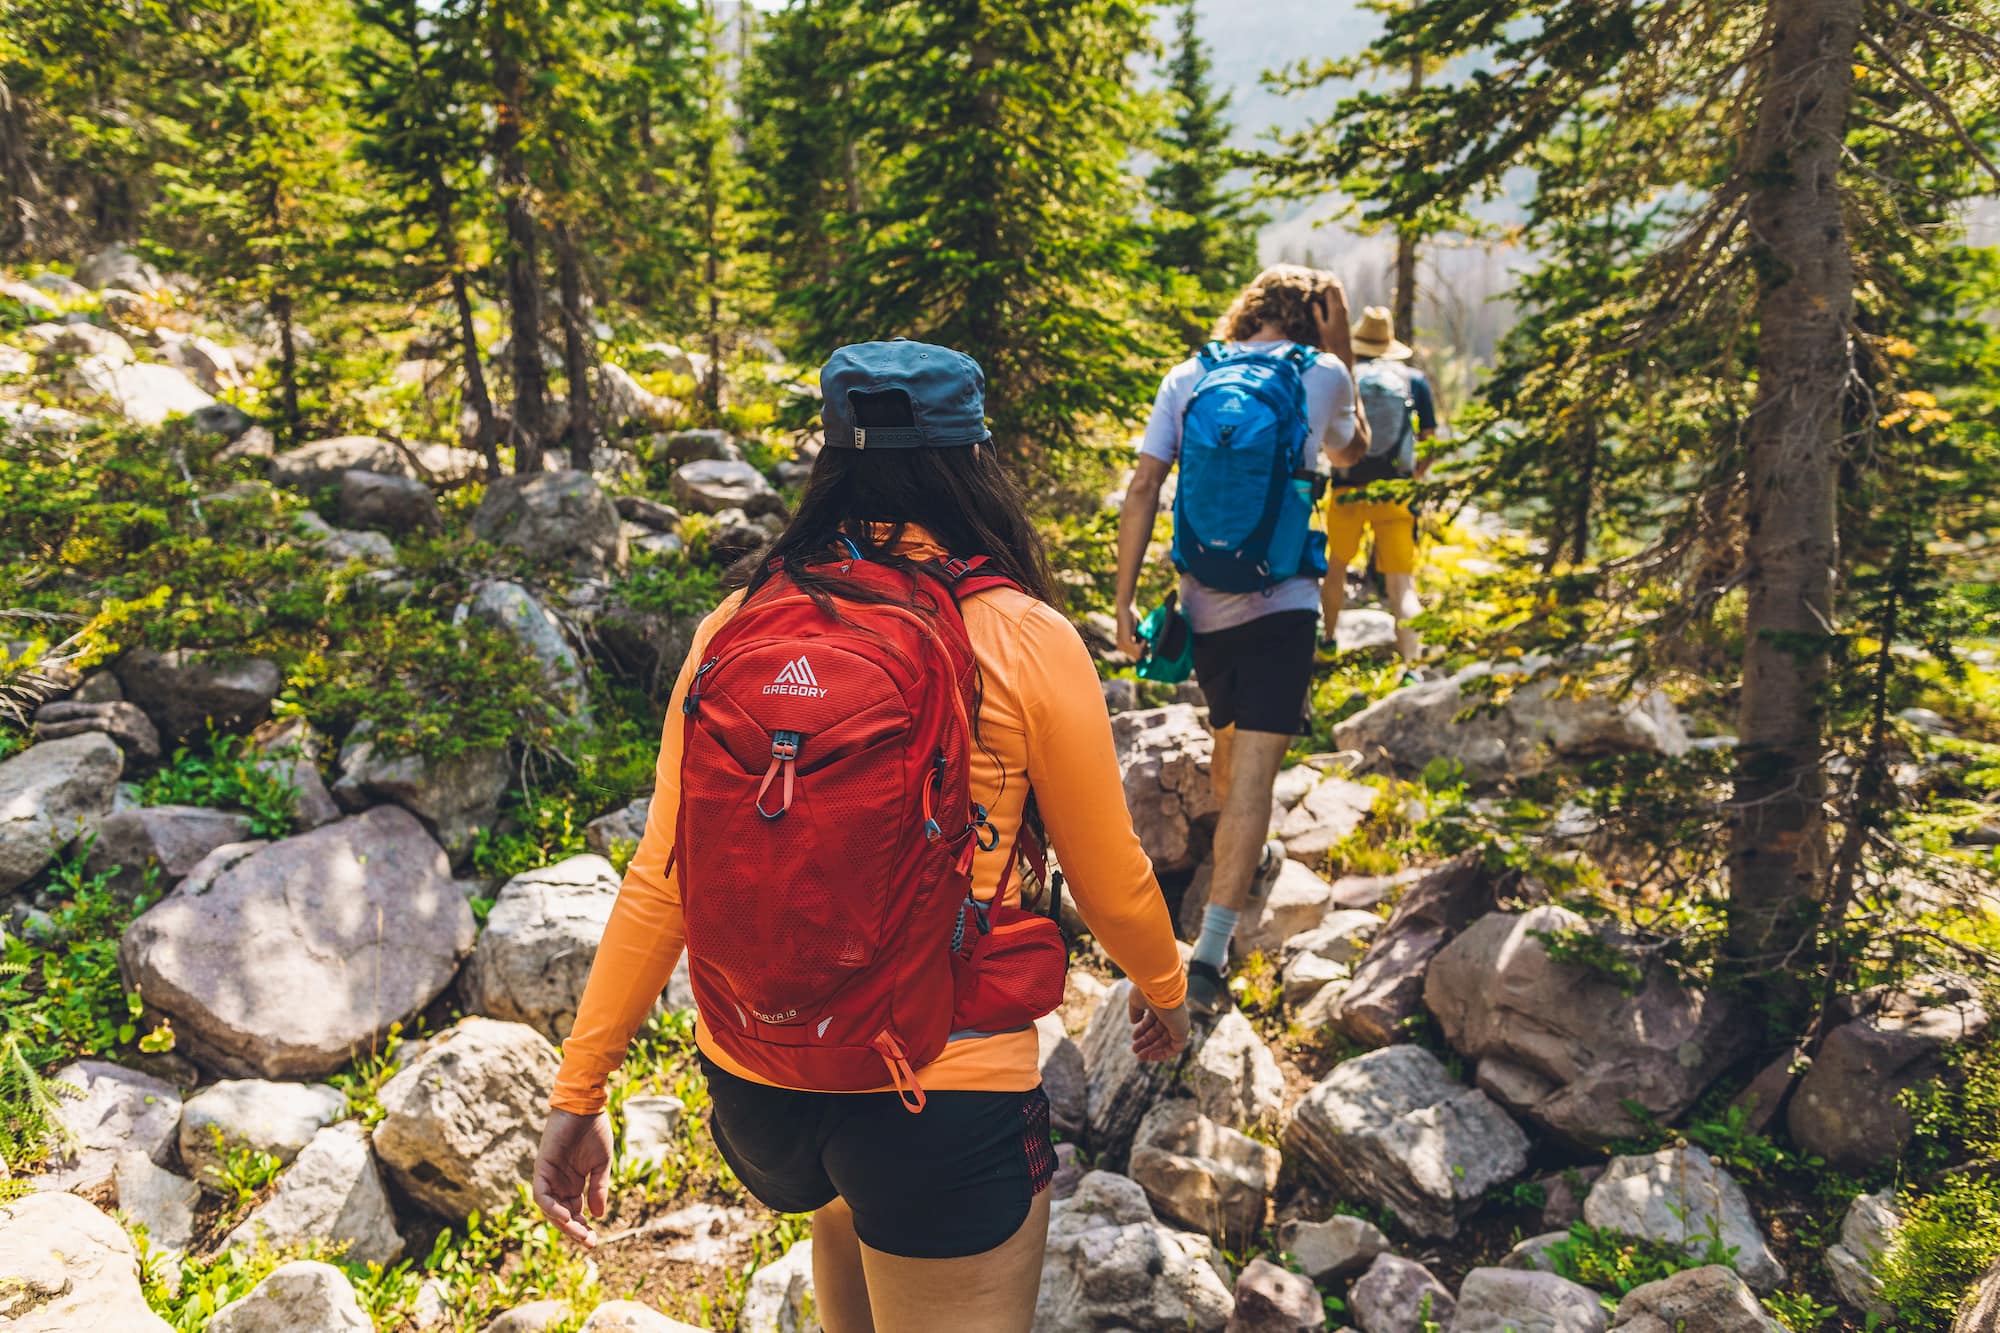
x=962, y=497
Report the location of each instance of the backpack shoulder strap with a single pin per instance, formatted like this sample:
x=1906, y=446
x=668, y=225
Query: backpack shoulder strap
x=1212, y=354
x=967, y=577
x=1302, y=356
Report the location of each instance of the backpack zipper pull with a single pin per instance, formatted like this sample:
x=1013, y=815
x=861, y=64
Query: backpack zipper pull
x=693, y=701
x=784, y=759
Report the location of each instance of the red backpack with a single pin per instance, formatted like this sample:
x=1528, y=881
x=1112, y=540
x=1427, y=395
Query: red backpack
x=827, y=829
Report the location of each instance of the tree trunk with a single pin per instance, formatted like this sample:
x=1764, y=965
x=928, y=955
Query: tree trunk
x=288, y=365
x=1805, y=303
x=576, y=350
x=486, y=433
x=1405, y=311
x=524, y=279
x=711, y=385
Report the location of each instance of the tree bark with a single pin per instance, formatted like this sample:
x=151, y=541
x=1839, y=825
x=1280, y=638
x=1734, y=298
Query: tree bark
x=582, y=431
x=1405, y=311
x=288, y=364
x=1805, y=304
x=486, y=431
x=524, y=279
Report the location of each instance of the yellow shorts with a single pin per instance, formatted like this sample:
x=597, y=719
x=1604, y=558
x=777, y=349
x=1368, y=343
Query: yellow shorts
x=1395, y=533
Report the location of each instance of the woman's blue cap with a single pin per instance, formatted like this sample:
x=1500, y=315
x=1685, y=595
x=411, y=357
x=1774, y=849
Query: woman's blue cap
x=902, y=395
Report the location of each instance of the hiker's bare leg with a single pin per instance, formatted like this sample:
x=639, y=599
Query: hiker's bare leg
x=1405, y=606
x=1221, y=762
x=1332, y=597
x=1245, y=821
x=992, y=1292
x=840, y=1288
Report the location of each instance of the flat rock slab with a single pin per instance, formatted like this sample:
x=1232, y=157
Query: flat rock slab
x=300, y=956
x=332, y=1192
x=1202, y=1175
x=1339, y=1247
x=1680, y=1196
x=120, y=1110
x=1328, y=815
x=168, y=840
x=69, y=1269
x=1393, y=1127
x=50, y=795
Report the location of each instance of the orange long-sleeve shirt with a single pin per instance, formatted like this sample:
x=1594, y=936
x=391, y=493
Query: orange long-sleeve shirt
x=1042, y=726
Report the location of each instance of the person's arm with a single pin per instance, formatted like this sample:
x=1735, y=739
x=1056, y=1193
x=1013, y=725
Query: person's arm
x=1073, y=770
x=1135, y=534
x=1427, y=420
x=643, y=939
x=1329, y=312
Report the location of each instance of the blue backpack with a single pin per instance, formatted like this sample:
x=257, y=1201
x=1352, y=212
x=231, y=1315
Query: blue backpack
x=1243, y=509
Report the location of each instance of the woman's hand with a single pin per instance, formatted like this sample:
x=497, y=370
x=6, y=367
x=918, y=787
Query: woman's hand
x=1128, y=633
x=1329, y=315
x=573, y=1172
x=1158, y=1034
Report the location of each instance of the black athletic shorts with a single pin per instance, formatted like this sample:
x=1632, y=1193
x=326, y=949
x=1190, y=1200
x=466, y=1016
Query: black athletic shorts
x=1257, y=676
x=955, y=1179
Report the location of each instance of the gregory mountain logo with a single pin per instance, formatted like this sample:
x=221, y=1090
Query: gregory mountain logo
x=797, y=678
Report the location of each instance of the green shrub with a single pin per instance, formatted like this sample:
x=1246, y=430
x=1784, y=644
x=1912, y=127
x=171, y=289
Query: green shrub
x=233, y=775
x=1614, y=1263
x=1946, y=1241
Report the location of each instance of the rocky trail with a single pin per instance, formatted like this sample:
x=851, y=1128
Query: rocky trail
x=1449, y=1100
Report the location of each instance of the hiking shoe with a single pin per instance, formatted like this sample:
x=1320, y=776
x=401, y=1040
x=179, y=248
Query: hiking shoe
x=1327, y=653
x=1208, y=989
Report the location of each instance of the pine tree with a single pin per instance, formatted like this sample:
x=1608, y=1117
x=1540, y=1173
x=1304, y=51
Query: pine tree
x=992, y=211
x=1200, y=229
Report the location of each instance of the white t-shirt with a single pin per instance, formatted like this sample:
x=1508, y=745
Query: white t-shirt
x=1329, y=419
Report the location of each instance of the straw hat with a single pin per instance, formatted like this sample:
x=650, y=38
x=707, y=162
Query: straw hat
x=1375, y=335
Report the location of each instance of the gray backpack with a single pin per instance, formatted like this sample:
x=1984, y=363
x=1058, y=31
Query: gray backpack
x=1389, y=402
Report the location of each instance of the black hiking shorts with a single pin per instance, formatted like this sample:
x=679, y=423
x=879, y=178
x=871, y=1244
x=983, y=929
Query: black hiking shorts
x=1257, y=676
x=954, y=1180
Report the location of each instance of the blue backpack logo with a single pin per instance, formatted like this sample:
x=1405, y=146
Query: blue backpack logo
x=1243, y=509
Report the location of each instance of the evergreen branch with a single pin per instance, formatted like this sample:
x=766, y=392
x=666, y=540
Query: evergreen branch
x=1933, y=99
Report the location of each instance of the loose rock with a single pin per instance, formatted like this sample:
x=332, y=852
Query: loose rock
x=622, y=828
x=1712, y=1299
x=1564, y=1045
x=1503, y=1300
x=185, y=692
x=694, y=446
x=121, y=1110
x=514, y=611
x=710, y=486
x=463, y=1119
x=312, y=467
x=391, y=504
x=1202, y=1175
x=116, y=266
x=157, y=1199
x=1065, y=1080
x=51, y=794
x=534, y=956
x=534, y=1317
x=1365, y=632
x=1330, y=812
x=289, y=749
x=648, y=512
x=144, y=392
x=1339, y=1247
x=1399, y=1295
x=1327, y=953
x=780, y=1297
x=559, y=519
x=69, y=1269
x=633, y=1317
x=652, y=1128
x=1232, y=1074
x=1680, y=1196
x=332, y=1191
x=262, y=969
x=1271, y=1300
x=168, y=840
x=1295, y=903
x=1163, y=755
x=1110, y=1265
x=1865, y=1235
x=278, y=1119
x=122, y=722
x=303, y=1296
x=1392, y=1126
x=457, y=797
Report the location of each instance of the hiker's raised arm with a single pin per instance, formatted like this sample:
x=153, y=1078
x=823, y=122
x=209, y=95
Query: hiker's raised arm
x=1135, y=533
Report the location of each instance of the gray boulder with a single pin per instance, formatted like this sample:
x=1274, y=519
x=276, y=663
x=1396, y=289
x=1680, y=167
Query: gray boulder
x=289, y=749
x=145, y=393
x=116, y=266
x=1711, y=1299
x=1564, y=1045
x=168, y=840
x=515, y=612
x=388, y=503
x=299, y=956
x=780, y=1296
x=331, y=1192
x=534, y=956
x=69, y=1269
x=621, y=829
x=561, y=520
x=34, y=419
x=224, y=419
x=1365, y=632
x=157, y=1199
x=1111, y=1265
x=278, y=1119
x=1065, y=1079
x=1680, y=1196
x=312, y=467
x=533, y=1317
x=343, y=546
x=1202, y=1175
x=1399, y=1295
x=1866, y=1233
x=637, y=1317
x=648, y=512
x=303, y=1296
x=1339, y=1247
x=1387, y=989
x=122, y=722
x=34, y=298
x=119, y=1110
x=1163, y=757
x=1328, y=814
x=1535, y=723
x=709, y=486
x=1391, y=1126
x=463, y=1120
x=207, y=362
x=620, y=398
x=51, y=794
x=1327, y=953
x=652, y=1129
x=695, y=446
x=1848, y=1107
x=1505, y=1300
x=456, y=797
x=185, y=691
x=79, y=341
x=1269, y=1299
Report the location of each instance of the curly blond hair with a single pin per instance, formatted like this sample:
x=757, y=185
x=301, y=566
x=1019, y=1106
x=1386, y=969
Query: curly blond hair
x=1282, y=295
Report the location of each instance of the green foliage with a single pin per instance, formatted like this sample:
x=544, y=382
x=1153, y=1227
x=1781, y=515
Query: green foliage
x=1947, y=1239
x=1799, y=1311
x=1613, y=1263
x=671, y=587
x=243, y=1172
x=232, y=775
x=362, y=1080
